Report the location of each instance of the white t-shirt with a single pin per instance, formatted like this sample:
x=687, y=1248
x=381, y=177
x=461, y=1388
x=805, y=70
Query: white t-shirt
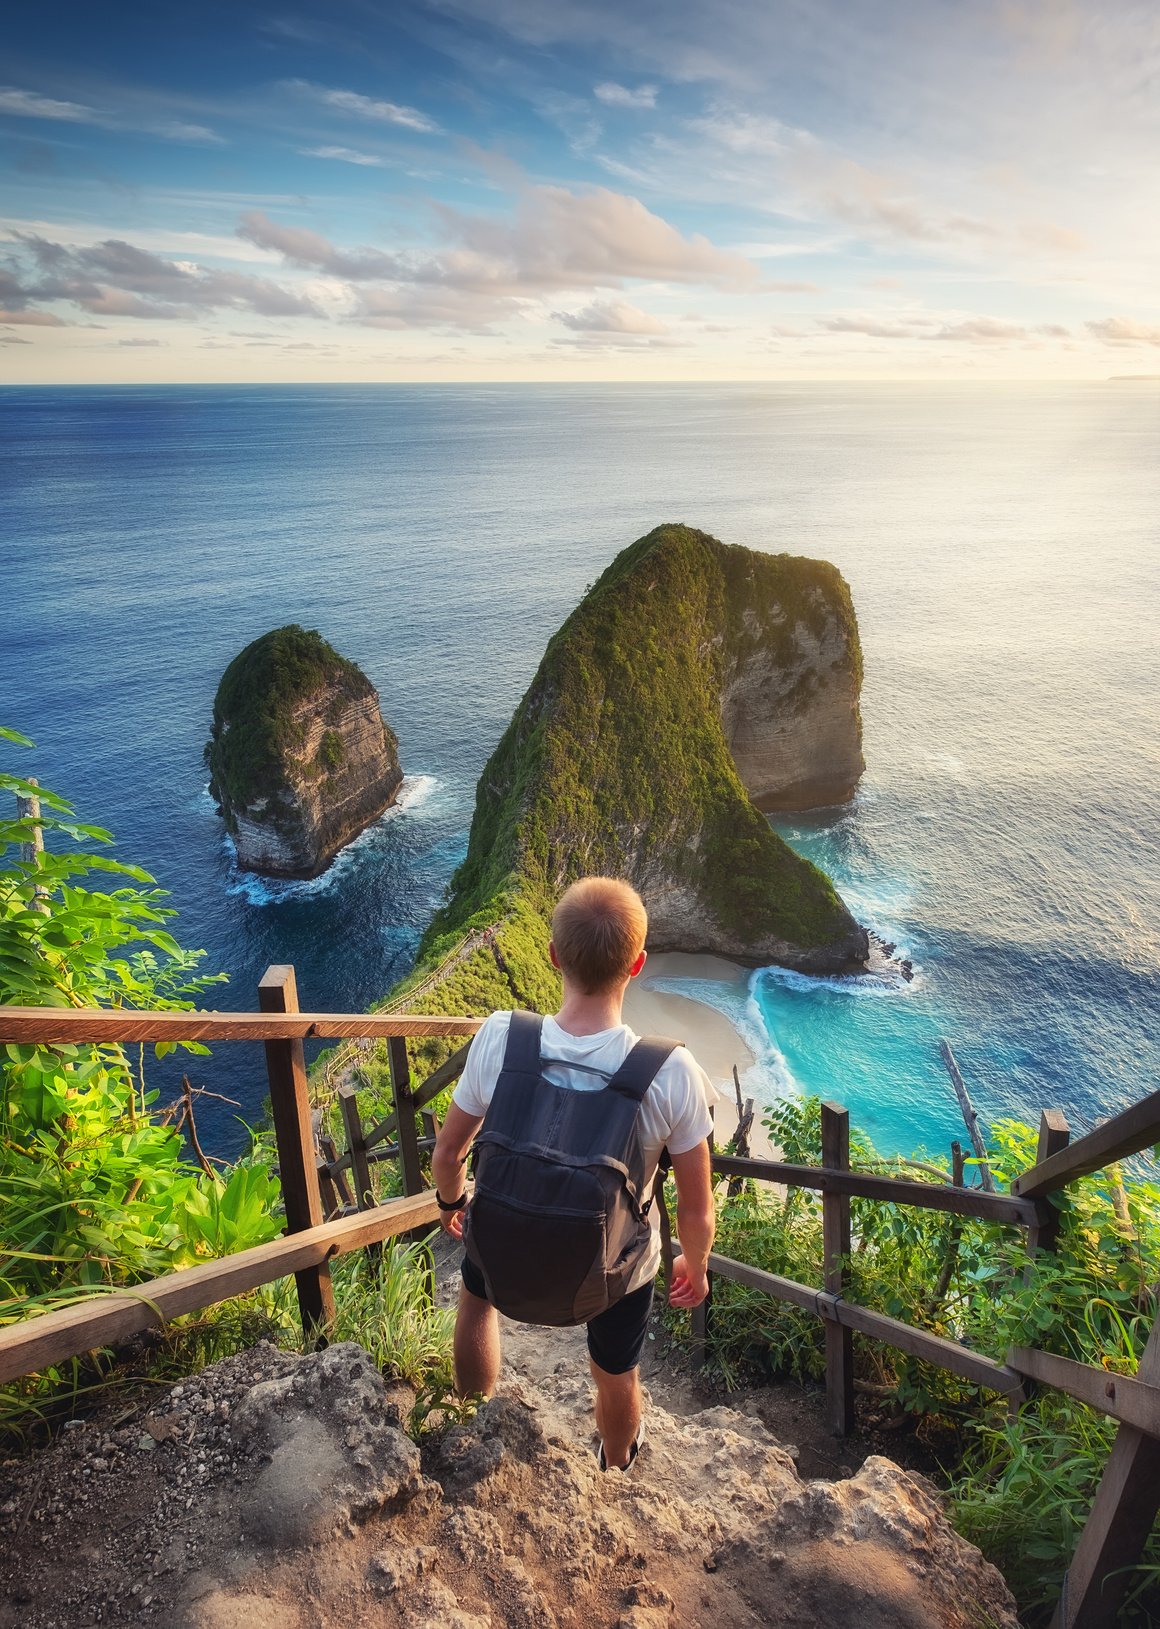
x=674, y=1110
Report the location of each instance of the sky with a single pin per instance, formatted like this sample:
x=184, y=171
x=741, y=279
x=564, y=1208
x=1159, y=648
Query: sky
x=637, y=190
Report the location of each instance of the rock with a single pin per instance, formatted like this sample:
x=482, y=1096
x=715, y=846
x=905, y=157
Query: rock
x=695, y=686
x=331, y=1455
x=300, y=759
x=793, y=723
x=712, y=1526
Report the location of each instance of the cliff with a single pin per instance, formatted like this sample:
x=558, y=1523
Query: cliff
x=692, y=675
x=299, y=757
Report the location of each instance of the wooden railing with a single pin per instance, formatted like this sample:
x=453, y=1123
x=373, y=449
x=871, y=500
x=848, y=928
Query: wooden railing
x=1128, y=1497
x=330, y=1209
x=314, y=1234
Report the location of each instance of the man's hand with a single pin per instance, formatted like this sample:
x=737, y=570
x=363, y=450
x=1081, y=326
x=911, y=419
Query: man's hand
x=448, y=1160
x=690, y=1284
x=696, y=1222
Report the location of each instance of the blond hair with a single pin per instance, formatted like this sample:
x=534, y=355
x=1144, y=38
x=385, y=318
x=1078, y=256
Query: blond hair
x=598, y=929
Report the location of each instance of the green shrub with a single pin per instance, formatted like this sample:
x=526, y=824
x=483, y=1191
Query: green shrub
x=1022, y=1486
x=95, y=1184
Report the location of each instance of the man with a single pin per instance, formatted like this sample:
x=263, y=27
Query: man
x=597, y=944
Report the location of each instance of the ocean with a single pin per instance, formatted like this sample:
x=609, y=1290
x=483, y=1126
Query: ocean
x=1001, y=546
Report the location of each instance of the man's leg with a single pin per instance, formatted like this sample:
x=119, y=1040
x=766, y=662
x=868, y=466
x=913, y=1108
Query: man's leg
x=615, y=1341
x=476, y=1349
x=617, y=1412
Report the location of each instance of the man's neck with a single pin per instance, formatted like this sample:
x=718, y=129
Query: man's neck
x=584, y=1014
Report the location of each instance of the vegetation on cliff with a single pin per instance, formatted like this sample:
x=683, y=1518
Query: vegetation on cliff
x=256, y=722
x=1020, y=1485
x=616, y=761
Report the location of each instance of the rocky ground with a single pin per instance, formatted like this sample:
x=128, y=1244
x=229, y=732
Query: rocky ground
x=274, y=1491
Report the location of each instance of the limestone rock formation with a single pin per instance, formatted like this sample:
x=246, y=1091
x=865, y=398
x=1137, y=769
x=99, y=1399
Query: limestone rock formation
x=794, y=727
x=275, y=1491
x=300, y=759
x=694, y=682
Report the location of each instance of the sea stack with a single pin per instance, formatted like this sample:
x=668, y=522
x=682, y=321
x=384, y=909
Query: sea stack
x=694, y=682
x=300, y=759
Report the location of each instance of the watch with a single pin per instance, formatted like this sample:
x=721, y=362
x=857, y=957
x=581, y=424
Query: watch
x=450, y=1204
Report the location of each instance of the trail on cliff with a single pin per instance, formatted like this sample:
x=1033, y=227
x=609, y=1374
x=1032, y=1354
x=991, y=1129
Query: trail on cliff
x=274, y=1491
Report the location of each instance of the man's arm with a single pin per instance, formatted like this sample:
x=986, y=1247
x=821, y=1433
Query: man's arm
x=448, y=1161
x=696, y=1225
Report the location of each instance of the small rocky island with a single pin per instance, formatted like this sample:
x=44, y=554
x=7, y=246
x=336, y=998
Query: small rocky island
x=300, y=759
x=694, y=686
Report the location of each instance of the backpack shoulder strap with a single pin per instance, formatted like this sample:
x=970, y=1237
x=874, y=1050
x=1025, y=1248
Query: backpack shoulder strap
x=638, y=1071
x=522, y=1054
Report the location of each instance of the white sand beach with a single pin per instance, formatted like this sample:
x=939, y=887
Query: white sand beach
x=707, y=1033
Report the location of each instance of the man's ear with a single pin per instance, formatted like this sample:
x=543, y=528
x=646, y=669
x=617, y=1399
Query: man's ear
x=552, y=956
x=638, y=964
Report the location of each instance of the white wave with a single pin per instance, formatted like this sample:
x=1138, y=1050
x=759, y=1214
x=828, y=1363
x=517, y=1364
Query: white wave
x=769, y=1077
x=415, y=792
x=884, y=980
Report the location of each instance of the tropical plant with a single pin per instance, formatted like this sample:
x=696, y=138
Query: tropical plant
x=96, y=1187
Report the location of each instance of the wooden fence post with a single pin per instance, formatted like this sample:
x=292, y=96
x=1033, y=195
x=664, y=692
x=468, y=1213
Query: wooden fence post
x=835, y=1247
x=1118, y=1523
x=356, y=1146
x=701, y=1324
x=404, y=1109
x=290, y=1104
x=1054, y=1134
x=29, y=809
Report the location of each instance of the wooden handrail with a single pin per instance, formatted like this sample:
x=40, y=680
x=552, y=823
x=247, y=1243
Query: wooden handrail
x=1124, y=1397
x=72, y=1025
x=936, y=1349
x=993, y=1207
x=1124, y=1134
x=53, y=1337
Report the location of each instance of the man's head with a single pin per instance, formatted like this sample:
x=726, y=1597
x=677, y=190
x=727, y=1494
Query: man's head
x=598, y=934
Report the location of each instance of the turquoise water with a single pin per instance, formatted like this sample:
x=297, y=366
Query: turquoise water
x=1002, y=548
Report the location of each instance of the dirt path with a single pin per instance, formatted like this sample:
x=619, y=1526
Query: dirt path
x=275, y=1491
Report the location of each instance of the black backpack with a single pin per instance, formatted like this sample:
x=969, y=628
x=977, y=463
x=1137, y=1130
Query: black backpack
x=558, y=1222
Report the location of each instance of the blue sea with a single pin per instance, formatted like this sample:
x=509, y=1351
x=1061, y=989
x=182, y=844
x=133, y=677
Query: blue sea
x=1001, y=543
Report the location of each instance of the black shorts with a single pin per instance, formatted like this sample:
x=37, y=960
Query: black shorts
x=615, y=1338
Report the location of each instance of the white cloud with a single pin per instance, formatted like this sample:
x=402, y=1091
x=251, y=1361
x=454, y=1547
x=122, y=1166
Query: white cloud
x=302, y=247
x=615, y=95
x=32, y=319
x=981, y=330
x=554, y=240
x=26, y=104
x=345, y=155
x=1125, y=331
x=611, y=317
x=120, y=279
x=163, y=240
x=564, y=239
x=742, y=132
x=367, y=107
